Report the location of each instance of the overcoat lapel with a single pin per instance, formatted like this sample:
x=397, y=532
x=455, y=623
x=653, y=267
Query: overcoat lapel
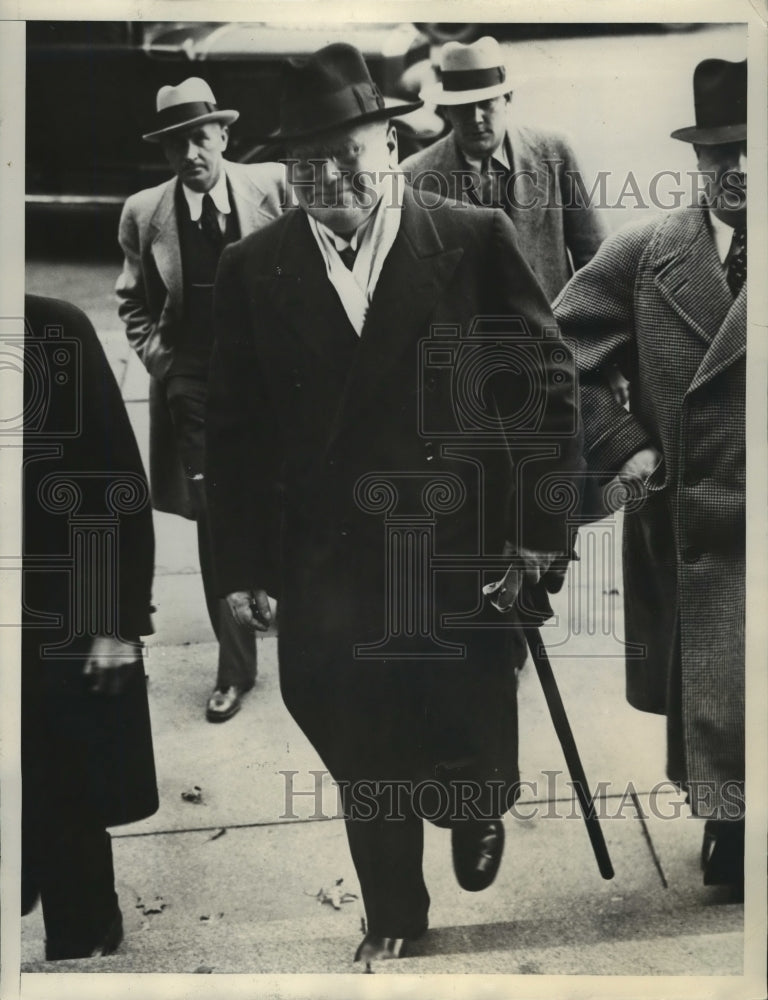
x=452, y=167
x=415, y=273
x=530, y=190
x=689, y=275
x=692, y=280
x=249, y=201
x=729, y=344
x=165, y=245
x=306, y=298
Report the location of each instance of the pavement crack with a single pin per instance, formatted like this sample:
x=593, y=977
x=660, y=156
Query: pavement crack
x=647, y=835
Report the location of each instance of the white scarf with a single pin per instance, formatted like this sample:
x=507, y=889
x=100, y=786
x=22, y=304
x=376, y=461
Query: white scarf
x=372, y=241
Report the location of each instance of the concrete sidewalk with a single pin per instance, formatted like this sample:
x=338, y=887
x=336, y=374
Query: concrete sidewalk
x=230, y=884
x=235, y=877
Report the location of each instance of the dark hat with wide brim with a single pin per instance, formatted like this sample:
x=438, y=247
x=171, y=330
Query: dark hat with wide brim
x=332, y=89
x=720, y=103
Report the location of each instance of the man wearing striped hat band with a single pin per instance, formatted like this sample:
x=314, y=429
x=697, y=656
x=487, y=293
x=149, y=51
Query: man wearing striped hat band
x=489, y=159
x=172, y=237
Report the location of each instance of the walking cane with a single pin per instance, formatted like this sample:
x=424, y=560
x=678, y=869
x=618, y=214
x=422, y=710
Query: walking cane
x=533, y=608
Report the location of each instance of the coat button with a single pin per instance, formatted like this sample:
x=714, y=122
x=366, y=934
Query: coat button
x=691, y=554
x=345, y=531
x=429, y=450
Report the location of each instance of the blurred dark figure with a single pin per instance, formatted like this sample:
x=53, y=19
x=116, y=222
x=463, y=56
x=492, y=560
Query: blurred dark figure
x=88, y=552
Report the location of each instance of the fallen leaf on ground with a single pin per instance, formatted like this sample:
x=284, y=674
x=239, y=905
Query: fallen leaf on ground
x=204, y=968
x=195, y=795
x=335, y=895
x=156, y=907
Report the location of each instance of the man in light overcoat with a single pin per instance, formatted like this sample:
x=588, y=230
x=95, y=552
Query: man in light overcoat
x=490, y=159
x=671, y=295
x=172, y=236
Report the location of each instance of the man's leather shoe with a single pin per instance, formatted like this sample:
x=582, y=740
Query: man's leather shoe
x=69, y=945
x=722, y=853
x=112, y=939
x=477, y=847
x=224, y=703
x=375, y=948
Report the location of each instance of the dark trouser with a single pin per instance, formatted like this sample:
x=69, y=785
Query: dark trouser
x=387, y=855
x=67, y=862
x=387, y=729
x=86, y=763
x=237, y=645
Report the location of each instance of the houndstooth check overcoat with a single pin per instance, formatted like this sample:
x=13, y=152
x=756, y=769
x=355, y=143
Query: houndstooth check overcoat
x=655, y=300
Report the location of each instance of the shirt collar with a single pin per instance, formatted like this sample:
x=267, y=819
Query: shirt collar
x=722, y=234
x=499, y=155
x=219, y=193
x=356, y=239
x=373, y=242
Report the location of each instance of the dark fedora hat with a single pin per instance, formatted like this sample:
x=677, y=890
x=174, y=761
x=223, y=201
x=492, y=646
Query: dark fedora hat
x=720, y=102
x=331, y=89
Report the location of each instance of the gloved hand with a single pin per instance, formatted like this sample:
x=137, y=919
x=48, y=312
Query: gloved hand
x=253, y=609
x=527, y=567
x=110, y=663
x=539, y=574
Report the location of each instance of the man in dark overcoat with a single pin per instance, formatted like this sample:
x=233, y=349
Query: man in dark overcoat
x=171, y=236
x=671, y=295
x=347, y=351
x=88, y=552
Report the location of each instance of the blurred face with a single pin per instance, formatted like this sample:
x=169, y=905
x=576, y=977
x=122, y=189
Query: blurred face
x=480, y=127
x=339, y=176
x=195, y=154
x=726, y=188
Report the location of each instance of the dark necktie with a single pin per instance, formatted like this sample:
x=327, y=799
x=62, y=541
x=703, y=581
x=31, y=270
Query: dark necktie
x=492, y=182
x=348, y=257
x=209, y=221
x=736, y=273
